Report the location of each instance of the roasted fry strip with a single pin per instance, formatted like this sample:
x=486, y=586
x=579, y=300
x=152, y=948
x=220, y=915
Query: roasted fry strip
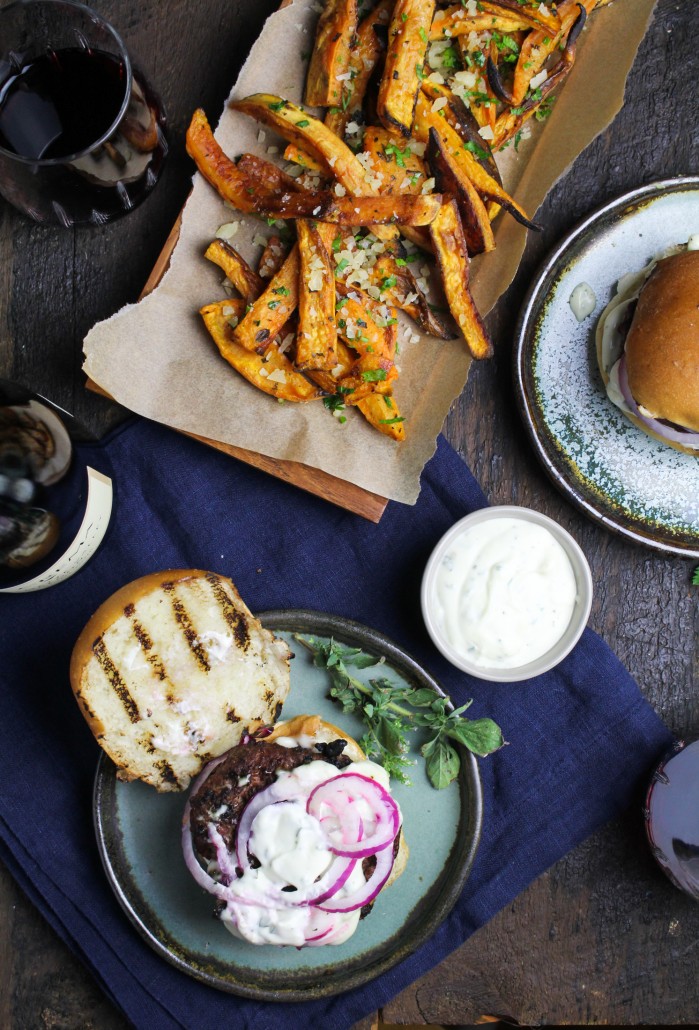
x=218, y=169
x=308, y=133
x=450, y=248
x=256, y=196
x=331, y=53
x=298, y=127
x=454, y=22
x=509, y=124
x=463, y=121
x=364, y=57
x=405, y=58
x=395, y=279
x=365, y=210
x=247, y=282
x=361, y=323
x=316, y=339
x=265, y=176
x=450, y=179
x=537, y=15
x=396, y=169
x=487, y=186
x=538, y=46
x=381, y=411
x=272, y=258
x=369, y=374
x=268, y=315
x=272, y=372
x=295, y=155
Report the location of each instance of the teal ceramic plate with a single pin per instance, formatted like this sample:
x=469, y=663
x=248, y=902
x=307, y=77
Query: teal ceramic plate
x=616, y=474
x=138, y=833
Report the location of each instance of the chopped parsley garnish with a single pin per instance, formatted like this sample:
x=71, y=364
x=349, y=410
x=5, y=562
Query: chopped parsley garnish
x=273, y=304
x=450, y=58
x=283, y=291
x=277, y=105
x=388, y=282
x=401, y=156
x=391, y=421
x=479, y=152
x=336, y=244
x=336, y=402
x=303, y=123
x=544, y=109
x=374, y=375
x=420, y=72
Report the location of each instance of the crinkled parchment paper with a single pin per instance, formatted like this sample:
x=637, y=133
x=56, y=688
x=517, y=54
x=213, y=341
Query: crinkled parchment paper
x=156, y=358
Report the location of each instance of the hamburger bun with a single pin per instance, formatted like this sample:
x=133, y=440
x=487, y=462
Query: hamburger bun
x=254, y=840
x=653, y=325
x=171, y=671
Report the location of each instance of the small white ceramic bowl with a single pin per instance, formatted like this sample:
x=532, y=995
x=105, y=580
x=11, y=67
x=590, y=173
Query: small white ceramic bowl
x=566, y=642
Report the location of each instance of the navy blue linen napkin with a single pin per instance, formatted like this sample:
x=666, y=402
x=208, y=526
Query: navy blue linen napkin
x=582, y=737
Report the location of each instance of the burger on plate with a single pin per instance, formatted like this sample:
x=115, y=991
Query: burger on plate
x=294, y=835
x=648, y=348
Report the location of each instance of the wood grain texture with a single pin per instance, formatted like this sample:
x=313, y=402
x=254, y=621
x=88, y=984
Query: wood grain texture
x=602, y=937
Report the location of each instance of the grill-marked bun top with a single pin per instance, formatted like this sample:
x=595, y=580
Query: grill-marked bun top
x=171, y=670
x=662, y=346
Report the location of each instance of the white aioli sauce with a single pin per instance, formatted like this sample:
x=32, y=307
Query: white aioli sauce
x=582, y=301
x=504, y=592
x=291, y=848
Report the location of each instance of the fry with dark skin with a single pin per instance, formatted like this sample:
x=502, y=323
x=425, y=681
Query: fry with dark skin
x=449, y=178
x=405, y=58
x=247, y=282
x=257, y=197
x=452, y=255
x=364, y=56
x=487, y=186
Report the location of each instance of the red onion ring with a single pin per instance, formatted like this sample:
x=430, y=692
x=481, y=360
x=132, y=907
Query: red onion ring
x=344, y=789
x=368, y=891
x=682, y=436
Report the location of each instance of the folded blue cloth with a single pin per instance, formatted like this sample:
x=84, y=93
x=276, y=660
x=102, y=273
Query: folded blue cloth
x=582, y=738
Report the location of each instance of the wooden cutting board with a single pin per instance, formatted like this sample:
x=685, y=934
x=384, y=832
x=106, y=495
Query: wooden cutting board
x=345, y=495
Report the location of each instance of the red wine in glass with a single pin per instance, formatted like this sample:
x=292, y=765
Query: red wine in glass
x=82, y=137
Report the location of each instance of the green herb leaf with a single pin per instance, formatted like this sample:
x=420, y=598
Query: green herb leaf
x=391, y=711
x=695, y=577
x=482, y=736
x=442, y=763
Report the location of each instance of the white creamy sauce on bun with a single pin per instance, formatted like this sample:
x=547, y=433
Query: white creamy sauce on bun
x=295, y=834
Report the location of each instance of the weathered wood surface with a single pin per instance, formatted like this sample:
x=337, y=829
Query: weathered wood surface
x=602, y=937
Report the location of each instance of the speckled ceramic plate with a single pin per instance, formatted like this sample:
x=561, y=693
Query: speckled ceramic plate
x=616, y=474
x=138, y=833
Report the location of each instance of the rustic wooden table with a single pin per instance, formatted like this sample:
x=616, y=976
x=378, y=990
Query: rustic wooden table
x=602, y=937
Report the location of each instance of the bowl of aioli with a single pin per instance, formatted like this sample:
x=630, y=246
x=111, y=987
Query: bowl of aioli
x=506, y=594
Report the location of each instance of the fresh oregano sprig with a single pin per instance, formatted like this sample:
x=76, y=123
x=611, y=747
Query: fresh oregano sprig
x=391, y=711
